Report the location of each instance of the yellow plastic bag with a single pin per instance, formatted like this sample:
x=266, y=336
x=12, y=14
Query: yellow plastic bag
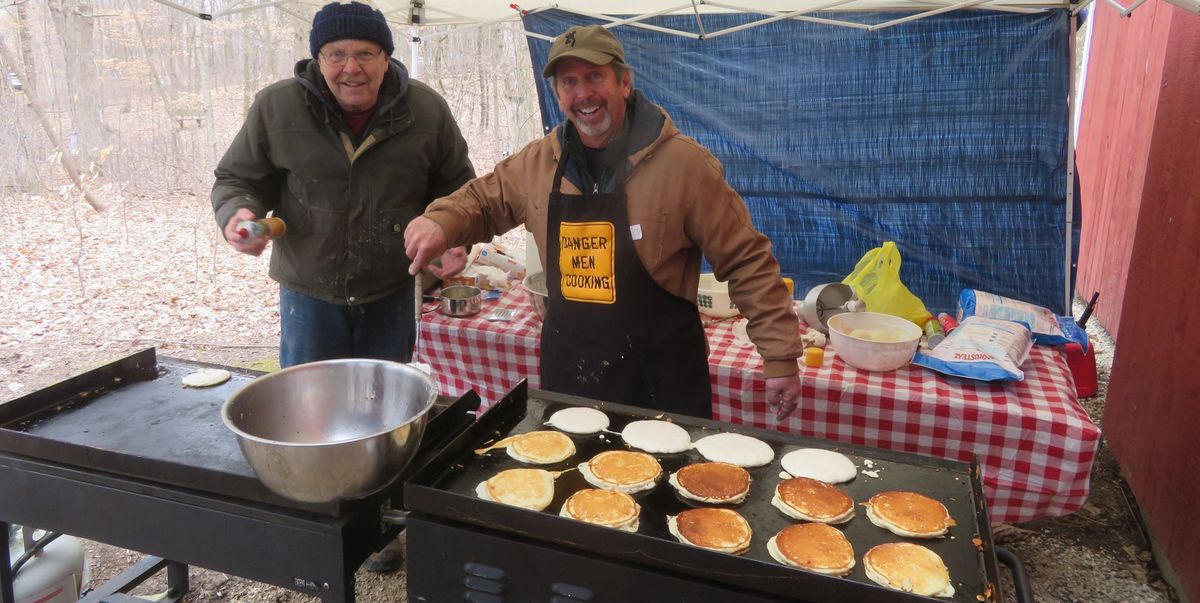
x=876, y=280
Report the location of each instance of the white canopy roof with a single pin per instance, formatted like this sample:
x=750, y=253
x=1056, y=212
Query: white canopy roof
x=473, y=13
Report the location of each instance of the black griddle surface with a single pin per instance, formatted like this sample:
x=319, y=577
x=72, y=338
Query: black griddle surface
x=946, y=481
x=151, y=429
x=157, y=420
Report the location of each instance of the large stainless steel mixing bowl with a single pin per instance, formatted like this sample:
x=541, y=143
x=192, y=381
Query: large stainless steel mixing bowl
x=333, y=430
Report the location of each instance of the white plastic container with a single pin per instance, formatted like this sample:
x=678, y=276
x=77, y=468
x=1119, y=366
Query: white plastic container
x=712, y=297
x=872, y=341
x=55, y=575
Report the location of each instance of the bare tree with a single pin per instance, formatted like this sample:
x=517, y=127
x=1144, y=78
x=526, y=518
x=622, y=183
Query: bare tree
x=26, y=37
x=137, y=66
x=68, y=162
x=74, y=21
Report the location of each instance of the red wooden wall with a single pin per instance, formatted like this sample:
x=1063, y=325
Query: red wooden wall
x=1139, y=161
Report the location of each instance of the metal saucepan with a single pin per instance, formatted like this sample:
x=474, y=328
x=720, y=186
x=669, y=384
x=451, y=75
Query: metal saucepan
x=333, y=430
x=461, y=300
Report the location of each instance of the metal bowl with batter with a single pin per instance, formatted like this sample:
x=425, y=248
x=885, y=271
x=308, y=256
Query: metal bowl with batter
x=333, y=430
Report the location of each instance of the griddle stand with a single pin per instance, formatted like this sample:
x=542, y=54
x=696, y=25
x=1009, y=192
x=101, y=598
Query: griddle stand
x=309, y=550
x=315, y=555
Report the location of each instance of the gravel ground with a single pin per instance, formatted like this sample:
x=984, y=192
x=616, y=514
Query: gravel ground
x=78, y=289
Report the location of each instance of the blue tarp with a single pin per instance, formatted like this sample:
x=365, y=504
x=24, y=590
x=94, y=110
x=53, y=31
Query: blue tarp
x=946, y=134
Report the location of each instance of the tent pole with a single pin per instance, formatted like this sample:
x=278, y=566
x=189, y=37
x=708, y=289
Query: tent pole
x=938, y=11
x=178, y=7
x=1070, y=221
x=631, y=22
x=414, y=55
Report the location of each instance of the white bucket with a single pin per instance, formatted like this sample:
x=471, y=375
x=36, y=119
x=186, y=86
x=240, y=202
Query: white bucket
x=55, y=575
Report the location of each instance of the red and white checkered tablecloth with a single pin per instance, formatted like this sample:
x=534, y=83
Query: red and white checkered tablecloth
x=490, y=357
x=1034, y=441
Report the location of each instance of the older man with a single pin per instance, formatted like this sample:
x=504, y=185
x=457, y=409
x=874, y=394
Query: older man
x=624, y=206
x=346, y=152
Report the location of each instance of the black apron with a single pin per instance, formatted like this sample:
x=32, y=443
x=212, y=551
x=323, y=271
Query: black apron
x=611, y=332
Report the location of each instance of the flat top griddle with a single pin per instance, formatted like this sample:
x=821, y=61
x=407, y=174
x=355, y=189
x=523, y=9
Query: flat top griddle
x=447, y=489
x=134, y=418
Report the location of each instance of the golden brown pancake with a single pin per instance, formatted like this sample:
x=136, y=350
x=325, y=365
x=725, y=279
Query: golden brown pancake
x=712, y=482
x=527, y=488
x=808, y=499
x=721, y=530
x=603, y=507
x=622, y=470
x=813, y=546
x=908, y=567
x=909, y=514
x=541, y=447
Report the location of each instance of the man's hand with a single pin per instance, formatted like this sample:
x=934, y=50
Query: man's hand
x=782, y=395
x=252, y=247
x=424, y=240
x=453, y=262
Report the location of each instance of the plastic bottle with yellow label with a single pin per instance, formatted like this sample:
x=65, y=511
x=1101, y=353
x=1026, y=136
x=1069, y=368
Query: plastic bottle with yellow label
x=263, y=227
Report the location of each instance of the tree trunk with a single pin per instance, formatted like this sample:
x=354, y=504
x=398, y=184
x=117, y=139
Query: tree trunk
x=26, y=38
x=75, y=27
x=168, y=107
x=248, y=83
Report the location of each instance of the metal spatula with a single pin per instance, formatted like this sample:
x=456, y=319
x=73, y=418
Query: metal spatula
x=418, y=303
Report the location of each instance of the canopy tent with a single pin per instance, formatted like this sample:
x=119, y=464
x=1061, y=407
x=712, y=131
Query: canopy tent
x=844, y=123
x=476, y=12
x=947, y=135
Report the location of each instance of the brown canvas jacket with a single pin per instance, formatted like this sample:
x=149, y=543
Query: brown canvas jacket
x=678, y=195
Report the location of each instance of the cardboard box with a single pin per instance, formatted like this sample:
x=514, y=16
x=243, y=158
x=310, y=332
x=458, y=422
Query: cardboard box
x=511, y=261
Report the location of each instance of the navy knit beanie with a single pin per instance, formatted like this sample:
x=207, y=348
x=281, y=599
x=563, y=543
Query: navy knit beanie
x=350, y=21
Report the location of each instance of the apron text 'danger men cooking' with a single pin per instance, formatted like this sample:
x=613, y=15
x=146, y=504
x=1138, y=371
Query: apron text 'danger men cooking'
x=611, y=332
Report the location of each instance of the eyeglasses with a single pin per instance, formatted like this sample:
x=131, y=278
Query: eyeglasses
x=338, y=58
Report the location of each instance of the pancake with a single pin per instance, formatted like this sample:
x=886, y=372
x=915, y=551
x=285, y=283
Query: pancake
x=721, y=530
x=657, y=437
x=207, y=377
x=908, y=567
x=603, y=507
x=735, y=449
x=826, y=465
x=526, y=488
x=541, y=447
x=622, y=470
x=815, y=547
x=909, y=514
x=808, y=499
x=579, y=420
x=719, y=483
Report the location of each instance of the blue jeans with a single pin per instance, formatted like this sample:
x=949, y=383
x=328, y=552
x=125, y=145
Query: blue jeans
x=311, y=329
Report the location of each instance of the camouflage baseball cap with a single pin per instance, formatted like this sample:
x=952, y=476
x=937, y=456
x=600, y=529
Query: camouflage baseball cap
x=592, y=43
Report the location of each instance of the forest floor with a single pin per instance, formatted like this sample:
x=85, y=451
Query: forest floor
x=79, y=289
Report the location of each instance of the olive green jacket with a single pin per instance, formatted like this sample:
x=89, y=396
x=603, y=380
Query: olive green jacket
x=346, y=201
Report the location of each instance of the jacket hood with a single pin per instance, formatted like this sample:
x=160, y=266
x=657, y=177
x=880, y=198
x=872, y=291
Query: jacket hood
x=651, y=127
